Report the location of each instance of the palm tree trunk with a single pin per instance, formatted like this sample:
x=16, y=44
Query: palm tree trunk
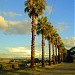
x=33, y=42
x=56, y=54
x=43, y=62
x=53, y=53
x=49, y=53
x=62, y=56
x=59, y=59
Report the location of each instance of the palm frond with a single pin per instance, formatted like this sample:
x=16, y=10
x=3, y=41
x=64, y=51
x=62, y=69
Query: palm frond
x=37, y=7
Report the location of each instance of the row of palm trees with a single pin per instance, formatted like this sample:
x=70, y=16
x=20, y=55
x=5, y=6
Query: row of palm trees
x=35, y=8
x=48, y=32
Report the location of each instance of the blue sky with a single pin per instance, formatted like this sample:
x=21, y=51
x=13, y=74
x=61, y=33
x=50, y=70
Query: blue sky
x=15, y=27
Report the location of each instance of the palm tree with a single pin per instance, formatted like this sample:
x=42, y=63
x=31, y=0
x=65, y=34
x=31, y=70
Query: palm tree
x=57, y=37
x=34, y=8
x=48, y=37
x=59, y=50
x=62, y=51
x=41, y=29
x=64, y=54
x=52, y=40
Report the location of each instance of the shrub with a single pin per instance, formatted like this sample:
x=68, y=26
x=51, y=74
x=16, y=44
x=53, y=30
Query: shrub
x=22, y=66
x=0, y=66
x=6, y=67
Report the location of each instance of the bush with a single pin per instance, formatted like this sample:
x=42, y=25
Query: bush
x=0, y=66
x=37, y=60
x=15, y=65
x=22, y=66
x=6, y=67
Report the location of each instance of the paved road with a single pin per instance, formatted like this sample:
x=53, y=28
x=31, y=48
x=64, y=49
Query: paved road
x=63, y=69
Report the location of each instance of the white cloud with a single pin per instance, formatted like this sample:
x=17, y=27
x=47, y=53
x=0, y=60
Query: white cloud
x=61, y=26
x=18, y=49
x=69, y=42
x=10, y=14
x=49, y=9
x=15, y=27
x=18, y=52
x=13, y=23
x=3, y=23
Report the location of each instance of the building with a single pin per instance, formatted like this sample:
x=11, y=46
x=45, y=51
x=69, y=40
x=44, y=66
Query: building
x=71, y=55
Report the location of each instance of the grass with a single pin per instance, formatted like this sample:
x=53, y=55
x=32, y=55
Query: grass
x=58, y=69
x=7, y=70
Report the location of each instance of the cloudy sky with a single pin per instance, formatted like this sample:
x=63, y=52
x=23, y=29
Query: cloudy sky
x=15, y=26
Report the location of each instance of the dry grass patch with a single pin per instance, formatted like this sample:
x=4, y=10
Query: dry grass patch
x=52, y=66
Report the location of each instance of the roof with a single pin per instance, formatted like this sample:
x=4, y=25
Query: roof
x=73, y=56
x=72, y=49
